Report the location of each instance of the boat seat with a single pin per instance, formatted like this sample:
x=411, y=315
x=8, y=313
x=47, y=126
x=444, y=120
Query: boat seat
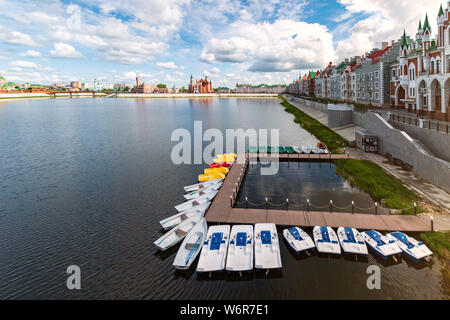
x=180, y=233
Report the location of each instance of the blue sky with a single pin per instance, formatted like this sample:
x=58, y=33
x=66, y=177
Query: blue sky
x=165, y=41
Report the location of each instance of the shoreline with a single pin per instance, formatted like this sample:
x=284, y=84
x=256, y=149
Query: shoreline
x=26, y=96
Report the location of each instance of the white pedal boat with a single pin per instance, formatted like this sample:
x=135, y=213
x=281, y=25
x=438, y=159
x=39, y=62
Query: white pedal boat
x=297, y=149
x=214, y=249
x=267, y=247
x=191, y=204
x=191, y=246
x=201, y=192
x=306, y=150
x=326, y=240
x=381, y=244
x=240, y=249
x=298, y=239
x=414, y=249
x=177, y=234
x=176, y=219
x=352, y=241
x=202, y=185
x=315, y=150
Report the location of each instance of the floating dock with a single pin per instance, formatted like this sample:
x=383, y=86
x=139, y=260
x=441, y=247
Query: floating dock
x=222, y=209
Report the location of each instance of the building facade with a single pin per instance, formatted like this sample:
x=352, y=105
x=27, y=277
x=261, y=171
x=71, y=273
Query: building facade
x=420, y=78
x=261, y=88
x=200, y=86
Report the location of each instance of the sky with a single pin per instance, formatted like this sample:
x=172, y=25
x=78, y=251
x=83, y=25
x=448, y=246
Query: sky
x=165, y=41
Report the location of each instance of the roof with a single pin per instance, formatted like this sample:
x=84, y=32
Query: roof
x=378, y=54
x=420, y=25
x=441, y=11
x=404, y=41
x=426, y=24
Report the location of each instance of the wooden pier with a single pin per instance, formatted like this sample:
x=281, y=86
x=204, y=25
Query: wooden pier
x=222, y=208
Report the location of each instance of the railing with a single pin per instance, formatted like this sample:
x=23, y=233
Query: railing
x=308, y=206
x=421, y=123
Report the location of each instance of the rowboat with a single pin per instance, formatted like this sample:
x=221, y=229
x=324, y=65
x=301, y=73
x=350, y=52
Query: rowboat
x=202, y=185
x=176, y=219
x=177, y=234
x=202, y=192
x=196, y=202
x=214, y=249
x=191, y=246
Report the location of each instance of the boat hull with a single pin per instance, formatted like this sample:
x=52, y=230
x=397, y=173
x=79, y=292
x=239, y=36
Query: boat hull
x=240, y=249
x=214, y=249
x=267, y=248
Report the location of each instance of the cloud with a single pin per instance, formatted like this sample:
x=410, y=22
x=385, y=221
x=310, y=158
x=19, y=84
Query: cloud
x=31, y=54
x=385, y=22
x=16, y=38
x=65, y=51
x=213, y=72
x=168, y=65
x=281, y=46
x=23, y=64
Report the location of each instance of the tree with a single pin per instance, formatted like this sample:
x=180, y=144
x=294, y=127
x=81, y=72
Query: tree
x=161, y=86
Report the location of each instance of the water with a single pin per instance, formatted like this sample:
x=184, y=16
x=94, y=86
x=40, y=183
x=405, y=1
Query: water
x=299, y=181
x=85, y=181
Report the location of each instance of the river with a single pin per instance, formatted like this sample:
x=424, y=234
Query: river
x=85, y=181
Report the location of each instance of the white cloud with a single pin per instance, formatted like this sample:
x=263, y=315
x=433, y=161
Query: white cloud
x=283, y=45
x=213, y=72
x=168, y=65
x=385, y=22
x=31, y=54
x=16, y=38
x=65, y=51
x=23, y=64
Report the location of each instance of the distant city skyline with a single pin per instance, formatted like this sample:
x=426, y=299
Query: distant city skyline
x=230, y=41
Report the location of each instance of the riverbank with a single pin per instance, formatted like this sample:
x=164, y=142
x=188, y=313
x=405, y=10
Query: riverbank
x=26, y=96
x=334, y=141
x=439, y=243
x=197, y=95
x=381, y=186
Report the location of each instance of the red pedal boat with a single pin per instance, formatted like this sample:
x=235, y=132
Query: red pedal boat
x=221, y=164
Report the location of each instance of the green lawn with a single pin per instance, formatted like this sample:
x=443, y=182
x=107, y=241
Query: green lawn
x=334, y=141
x=438, y=242
x=375, y=181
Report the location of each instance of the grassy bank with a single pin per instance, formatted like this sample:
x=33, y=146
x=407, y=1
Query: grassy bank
x=438, y=242
x=320, y=131
x=380, y=185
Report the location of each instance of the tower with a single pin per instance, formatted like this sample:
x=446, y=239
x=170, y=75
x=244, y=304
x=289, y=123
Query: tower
x=404, y=45
x=426, y=35
x=440, y=23
x=419, y=32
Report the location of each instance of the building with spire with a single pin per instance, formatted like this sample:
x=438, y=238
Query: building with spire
x=419, y=79
x=201, y=86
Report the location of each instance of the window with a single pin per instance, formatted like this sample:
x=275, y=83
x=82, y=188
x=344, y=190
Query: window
x=432, y=67
x=438, y=65
x=376, y=95
x=376, y=85
x=376, y=74
x=393, y=74
x=370, y=76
